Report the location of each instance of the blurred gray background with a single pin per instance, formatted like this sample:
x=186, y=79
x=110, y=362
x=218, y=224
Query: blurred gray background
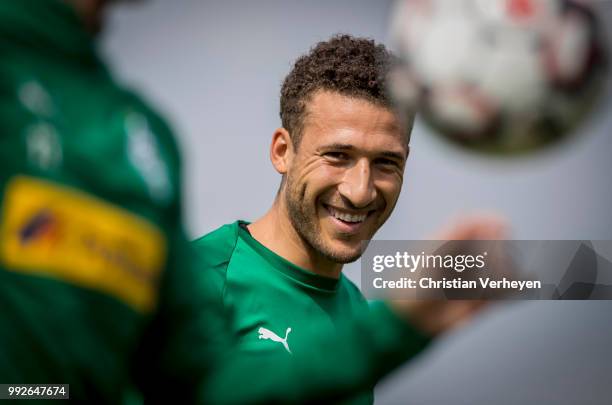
x=215, y=68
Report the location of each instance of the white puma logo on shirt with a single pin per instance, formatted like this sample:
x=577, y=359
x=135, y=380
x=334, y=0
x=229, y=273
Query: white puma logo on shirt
x=268, y=334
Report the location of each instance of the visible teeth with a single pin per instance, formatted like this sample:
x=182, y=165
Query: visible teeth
x=347, y=217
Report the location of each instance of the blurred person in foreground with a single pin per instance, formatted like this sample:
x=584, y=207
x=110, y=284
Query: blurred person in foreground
x=97, y=284
x=341, y=152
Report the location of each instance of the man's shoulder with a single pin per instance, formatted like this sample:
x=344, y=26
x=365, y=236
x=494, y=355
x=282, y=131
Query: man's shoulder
x=353, y=292
x=216, y=248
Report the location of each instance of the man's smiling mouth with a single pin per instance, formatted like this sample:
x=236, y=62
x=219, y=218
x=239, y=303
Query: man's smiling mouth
x=347, y=217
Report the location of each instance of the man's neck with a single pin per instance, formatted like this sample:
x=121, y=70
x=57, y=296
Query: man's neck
x=275, y=231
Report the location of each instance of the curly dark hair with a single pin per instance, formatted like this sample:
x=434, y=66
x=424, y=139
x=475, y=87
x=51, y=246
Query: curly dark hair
x=356, y=67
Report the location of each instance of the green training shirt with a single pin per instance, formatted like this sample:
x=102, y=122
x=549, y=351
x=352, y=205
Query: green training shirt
x=274, y=304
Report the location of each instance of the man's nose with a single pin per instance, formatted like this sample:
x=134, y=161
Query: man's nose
x=358, y=185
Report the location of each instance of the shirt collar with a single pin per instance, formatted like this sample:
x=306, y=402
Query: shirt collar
x=281, y=264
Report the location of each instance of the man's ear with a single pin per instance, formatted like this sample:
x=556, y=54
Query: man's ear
x=281, y=150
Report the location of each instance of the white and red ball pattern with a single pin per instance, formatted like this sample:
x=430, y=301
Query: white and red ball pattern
x=501, y=76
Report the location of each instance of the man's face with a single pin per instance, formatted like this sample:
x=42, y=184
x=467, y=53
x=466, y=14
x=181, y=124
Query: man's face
x=346, y=175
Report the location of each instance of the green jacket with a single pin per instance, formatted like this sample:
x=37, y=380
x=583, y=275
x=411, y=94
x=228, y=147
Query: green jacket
x=97, y=283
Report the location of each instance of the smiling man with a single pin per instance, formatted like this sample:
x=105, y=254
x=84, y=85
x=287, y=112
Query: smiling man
x=342, y=176
x=341, y=153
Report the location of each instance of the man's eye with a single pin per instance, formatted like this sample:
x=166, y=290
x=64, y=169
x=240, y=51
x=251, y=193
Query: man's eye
x=387, y=162
x=336, y=156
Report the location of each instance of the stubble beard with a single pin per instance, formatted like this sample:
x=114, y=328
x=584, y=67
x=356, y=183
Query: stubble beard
x=304, y=220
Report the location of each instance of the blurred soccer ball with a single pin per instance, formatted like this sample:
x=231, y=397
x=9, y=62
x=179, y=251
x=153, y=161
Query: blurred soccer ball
x=498, y=76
